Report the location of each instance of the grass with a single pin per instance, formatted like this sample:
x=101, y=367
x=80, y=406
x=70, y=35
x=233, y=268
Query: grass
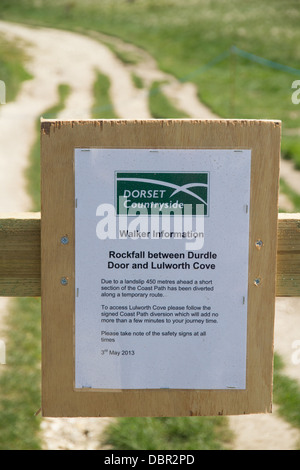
x=186, y=38
x=185, y=433
x=198, y=433
x=286, y=394
x=291, y=194
x=160, y=106
x=33, y=170
x=12, y=67
x=20, y=378
x=102, y=108
x=138, y=81
x=291, y=149
x=125, y=56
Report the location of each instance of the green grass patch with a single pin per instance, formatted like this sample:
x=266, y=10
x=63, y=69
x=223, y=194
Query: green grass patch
x=197, y=433
x=138, y=82
x=184, y=433
x=20, y=378
x=33, y=170
x=286, y=394
x=291, y=194
x=160, y=106
x=291, y=149
x=12, y=67
x=102, y=107
x=126, y=56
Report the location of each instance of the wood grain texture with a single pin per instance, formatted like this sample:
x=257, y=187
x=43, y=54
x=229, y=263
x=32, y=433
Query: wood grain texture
x=288, y=256
x=20, y=255
x=59, y=139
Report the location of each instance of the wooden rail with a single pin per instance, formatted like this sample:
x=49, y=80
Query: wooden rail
x=20, y=255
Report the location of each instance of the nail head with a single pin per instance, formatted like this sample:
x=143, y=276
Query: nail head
x=64, y=240
x=64, y=281
x=259, y=244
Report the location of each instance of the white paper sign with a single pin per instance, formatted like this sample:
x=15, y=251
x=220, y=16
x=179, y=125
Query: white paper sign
x=161, y=268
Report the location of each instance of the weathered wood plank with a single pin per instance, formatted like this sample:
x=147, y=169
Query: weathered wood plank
x=288, y=256
x=20, y=255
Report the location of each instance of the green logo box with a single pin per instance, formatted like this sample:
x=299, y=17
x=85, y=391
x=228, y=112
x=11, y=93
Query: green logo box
x=168, y=193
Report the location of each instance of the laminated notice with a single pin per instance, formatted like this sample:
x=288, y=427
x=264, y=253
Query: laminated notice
x=161, y=268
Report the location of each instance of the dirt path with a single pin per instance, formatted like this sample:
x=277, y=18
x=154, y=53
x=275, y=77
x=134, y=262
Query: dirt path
x=63, y=57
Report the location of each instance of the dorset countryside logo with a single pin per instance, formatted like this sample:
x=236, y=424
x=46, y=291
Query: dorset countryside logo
x=159, y=206
x=162, y=193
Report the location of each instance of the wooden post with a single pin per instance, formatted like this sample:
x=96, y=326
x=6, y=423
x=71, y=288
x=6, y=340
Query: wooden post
x=20, y=255
x=288, y=256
